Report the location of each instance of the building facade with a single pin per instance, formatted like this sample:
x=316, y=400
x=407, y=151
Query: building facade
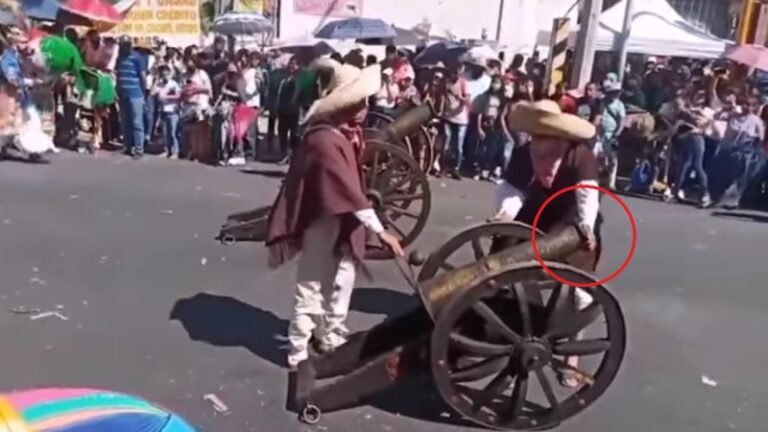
x=521, y=20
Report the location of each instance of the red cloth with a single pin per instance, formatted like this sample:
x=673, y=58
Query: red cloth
x=325, y=179
x=242, y=117
x=568, y=104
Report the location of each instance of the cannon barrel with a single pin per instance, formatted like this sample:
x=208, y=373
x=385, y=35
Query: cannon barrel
x=406, y=124
x=436, y=292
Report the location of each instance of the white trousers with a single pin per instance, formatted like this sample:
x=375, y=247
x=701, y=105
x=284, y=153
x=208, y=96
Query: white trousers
x=324, y=283
x=611, y=163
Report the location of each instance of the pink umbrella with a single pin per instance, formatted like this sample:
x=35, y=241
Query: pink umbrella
x=101, y=14
x=754, y=56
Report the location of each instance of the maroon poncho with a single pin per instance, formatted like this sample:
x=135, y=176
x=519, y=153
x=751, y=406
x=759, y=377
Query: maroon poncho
x=324, y=179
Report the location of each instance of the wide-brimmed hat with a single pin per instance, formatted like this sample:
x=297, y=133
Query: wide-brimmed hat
x=348, y=85
x=545, y=118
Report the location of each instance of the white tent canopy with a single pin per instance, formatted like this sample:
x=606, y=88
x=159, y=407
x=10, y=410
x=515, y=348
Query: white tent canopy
x=657, y=29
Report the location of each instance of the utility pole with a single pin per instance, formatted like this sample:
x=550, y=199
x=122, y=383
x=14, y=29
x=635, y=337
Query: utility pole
x=626, y=30
x=584, y=55
x=500, y=20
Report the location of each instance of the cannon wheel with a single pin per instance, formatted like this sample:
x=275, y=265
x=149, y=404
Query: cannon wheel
x=479, y=238
x=513, y=330
x=377, y=120
x=421, y=146
x=399, y=192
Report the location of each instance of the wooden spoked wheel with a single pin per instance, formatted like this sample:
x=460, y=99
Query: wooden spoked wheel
x=421, y=145
x=498, y=350
x=399, y=192
x=471, y=245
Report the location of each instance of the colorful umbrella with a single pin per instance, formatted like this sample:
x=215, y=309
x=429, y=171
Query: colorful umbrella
x=754, y=56
x=84, y=410
x=98, y=14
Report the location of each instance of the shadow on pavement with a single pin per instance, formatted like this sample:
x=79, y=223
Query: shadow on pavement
x=269, y=173
x=753, y=215
x=228, y=322
x=382, y=301
x=418, y=398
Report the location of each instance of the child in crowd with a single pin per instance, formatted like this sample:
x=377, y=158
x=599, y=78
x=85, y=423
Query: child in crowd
x=168, y=93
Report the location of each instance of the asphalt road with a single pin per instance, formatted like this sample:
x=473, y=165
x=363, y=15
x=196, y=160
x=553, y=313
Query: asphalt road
x=115, y=244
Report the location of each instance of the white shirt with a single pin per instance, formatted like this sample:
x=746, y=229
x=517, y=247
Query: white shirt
x=248, y=87
x=201, y=80
x=150, y=80
x=171, y=88
x=382, y=97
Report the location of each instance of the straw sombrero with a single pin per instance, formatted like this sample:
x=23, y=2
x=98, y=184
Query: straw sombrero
x=546, y=118
x=348, y=85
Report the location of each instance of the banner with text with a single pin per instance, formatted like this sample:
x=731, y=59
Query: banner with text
x=334, y=8
x=176, y=21
x=249, y=6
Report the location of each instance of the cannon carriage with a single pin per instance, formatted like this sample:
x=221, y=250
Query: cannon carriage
x=395, y=185
x=494, y=332
x=420, y=142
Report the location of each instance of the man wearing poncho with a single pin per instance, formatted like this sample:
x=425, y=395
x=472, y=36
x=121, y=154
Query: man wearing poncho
x=321, y=212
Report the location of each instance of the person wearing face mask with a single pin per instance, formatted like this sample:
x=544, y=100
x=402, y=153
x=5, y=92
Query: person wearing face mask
x=633, y=94
x=556, y=158
x=321, y=213
x=288, y=111
x=610, y=129
x=455, y=118
x=738, y=156
x=694, y=120
x=478, y=82
x=230, y=150
x=168, y=93
x=490, y=106
x=386, y=98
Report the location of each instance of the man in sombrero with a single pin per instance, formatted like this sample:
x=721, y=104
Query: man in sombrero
x=556, y=157
x=321, y=212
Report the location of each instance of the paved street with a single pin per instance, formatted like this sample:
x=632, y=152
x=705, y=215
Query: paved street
x=117, y=245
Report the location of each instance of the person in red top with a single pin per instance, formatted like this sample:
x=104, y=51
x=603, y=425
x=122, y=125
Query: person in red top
x=322, y=212
x=568, y=103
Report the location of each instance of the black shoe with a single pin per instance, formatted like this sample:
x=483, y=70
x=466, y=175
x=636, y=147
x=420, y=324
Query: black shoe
x=455, y=175
x=137, y=156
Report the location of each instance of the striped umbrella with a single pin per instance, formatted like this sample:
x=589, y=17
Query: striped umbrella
x=101, y=14
x=84, y=410
x=241, y=23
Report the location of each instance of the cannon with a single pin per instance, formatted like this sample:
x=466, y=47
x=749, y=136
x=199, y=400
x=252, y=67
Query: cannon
x=417, y=121
x=493, y=331
x=396, y=187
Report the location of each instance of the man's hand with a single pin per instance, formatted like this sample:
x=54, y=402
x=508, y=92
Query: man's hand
x=588, y=236
x=393, y=243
